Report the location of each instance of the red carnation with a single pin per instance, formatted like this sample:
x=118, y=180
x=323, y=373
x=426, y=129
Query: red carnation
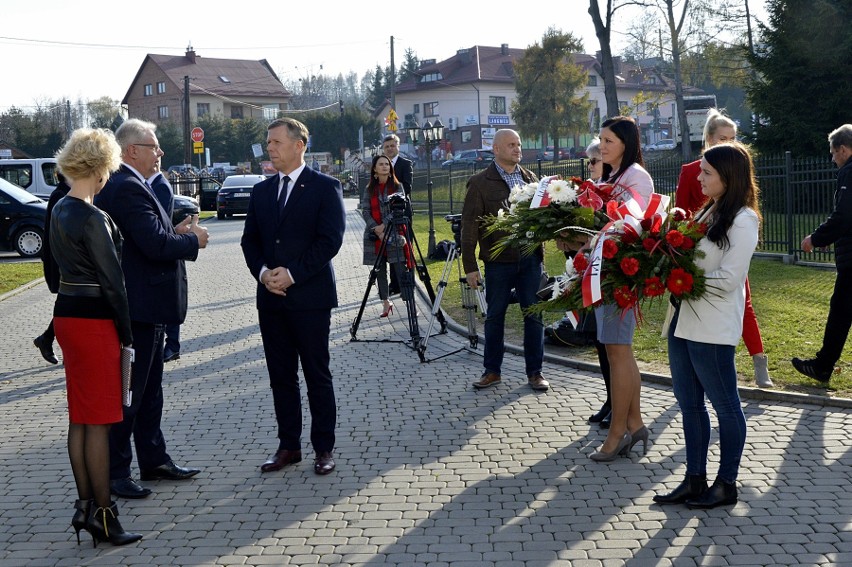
x=629, y=237
x=580, y=262
x=624, y=297
x=688, y=243
x=653, y=287
x=679, y=282
x=610, y=249
x=675, y=238
x=649, y=244
x=679, y=214
x=630, y=266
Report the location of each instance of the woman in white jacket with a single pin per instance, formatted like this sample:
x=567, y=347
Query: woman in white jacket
x=704, y=332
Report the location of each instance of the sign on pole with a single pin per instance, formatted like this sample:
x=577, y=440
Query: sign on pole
x=197, y=135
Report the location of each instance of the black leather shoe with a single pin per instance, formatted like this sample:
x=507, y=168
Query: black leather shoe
x=46, y=349
x=604, y=412
x=720, y=494
x=128, y=488
x=281, y=459
x=693, y=486
x=324, y=463
x=168, y=471
x=169, y=356
x=606, y=422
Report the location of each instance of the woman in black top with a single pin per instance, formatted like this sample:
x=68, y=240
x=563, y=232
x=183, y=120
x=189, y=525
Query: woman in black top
x=92, y=322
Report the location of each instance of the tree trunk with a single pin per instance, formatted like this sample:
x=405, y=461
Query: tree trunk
x=607, y=69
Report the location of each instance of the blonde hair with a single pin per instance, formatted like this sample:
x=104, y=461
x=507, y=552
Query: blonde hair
x=715, y=120
x=89, y=152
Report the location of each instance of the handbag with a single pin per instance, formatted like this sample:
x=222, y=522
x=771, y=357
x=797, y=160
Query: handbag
x=545, y=286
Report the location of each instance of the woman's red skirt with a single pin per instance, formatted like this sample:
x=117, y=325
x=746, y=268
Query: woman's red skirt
x=92, y=357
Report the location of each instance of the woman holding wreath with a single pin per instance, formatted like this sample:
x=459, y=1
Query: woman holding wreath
x=704, y=332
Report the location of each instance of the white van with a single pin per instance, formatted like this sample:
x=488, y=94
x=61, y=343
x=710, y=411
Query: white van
x=38, y=176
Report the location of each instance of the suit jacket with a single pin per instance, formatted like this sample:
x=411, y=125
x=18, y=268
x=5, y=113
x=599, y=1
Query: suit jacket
x=51, y=269
x=405, y=173
x=304, y=238
x=153, y=254
x=165, y=194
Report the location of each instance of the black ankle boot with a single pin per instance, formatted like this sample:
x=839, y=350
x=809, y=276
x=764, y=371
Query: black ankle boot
x=720, y=494
x=103, y=524
x=693, y=486
x=81, y=515
x=602, y=413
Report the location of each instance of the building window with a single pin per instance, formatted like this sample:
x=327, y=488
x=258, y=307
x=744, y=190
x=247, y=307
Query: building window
x=236, y=112
x=161, y=87
x=270, y=111
x=431, y=77
x=430, y=109
x=163, y=112
x=202, y=109
x=593, y=81
x=149, y=89
x=416, y=109
x=497, y=105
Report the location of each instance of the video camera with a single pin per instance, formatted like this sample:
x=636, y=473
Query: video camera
x=455, y=221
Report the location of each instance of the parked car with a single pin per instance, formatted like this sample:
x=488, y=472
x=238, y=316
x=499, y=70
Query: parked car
x=184, y=206
x=233, y=197
x=38, y=176
x=547, y=154
x=660, y=145
x=470, y=158
x=22, y=216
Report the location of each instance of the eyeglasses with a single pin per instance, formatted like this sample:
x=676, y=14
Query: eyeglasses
x=593, y=161
x=154, y=147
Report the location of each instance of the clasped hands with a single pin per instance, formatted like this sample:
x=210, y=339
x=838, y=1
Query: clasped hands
x=276, y=280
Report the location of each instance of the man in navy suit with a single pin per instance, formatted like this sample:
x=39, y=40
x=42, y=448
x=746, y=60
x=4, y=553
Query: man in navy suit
x=152, y=258
x=293, y=230
x=166, y=196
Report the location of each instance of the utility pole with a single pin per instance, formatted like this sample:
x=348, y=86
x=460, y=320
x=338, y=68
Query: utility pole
x=392, y=78
x=67, y=119
x=187, y=148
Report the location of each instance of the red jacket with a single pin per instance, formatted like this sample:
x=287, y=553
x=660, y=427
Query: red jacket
x=688, y=195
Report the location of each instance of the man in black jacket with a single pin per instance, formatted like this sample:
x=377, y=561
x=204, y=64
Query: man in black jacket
x=837, y=230
x=404, y=172
x=44, y=341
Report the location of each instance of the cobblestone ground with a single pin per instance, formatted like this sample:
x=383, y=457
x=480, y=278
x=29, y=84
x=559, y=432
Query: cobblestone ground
x=429, y=471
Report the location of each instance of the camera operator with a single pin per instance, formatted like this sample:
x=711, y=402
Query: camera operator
x=486, y=193
x=383, y=198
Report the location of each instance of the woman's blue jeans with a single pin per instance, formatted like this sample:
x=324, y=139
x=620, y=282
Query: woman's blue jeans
x=699, y=369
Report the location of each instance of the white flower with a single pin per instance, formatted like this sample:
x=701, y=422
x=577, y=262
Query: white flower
x=501, y=213
x=512, y=208
x=562, y=191
x=570, y=270
x=520, y=194
x=530, y=234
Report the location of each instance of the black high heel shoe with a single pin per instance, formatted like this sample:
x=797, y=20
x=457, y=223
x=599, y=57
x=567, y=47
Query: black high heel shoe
x=640, y=434
x=602, y=413
x=103, y=524
x=81, y=515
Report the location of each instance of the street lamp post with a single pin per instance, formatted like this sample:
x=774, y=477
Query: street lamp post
x=432, y=134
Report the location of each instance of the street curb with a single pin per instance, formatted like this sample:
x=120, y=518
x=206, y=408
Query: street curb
x=746, y=392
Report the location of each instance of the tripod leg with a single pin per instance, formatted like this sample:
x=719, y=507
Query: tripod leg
x=353, y=330
x=442, y=286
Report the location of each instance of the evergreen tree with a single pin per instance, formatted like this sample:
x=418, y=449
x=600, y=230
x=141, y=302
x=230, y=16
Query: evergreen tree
x=548, y=82
x=804, y=61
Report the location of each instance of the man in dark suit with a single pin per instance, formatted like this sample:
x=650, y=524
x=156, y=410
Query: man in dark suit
x=44, y=341
x=166, y=197
x=153, y=257
x=404, y=172
x=293, y=230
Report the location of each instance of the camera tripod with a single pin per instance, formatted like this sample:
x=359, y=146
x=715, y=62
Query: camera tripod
x=397, y=224
x=471, y=298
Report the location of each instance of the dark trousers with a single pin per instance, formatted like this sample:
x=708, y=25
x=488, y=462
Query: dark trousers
x=839, y=320
x=291, y=337
x=142, y=418
x=48, y=335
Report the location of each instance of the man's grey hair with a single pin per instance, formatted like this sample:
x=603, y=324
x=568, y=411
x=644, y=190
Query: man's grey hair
x=841, y=137
x=390, y=137
x=133, y=131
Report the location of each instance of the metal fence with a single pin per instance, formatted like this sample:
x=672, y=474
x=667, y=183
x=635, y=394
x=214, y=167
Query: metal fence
x=796, y=194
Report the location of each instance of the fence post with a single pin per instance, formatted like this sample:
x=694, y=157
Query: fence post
x=788, y=191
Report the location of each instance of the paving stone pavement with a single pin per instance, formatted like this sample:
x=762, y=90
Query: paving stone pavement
x=429, y=471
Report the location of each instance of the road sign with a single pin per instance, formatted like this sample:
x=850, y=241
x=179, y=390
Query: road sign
x=197, y=135
x=198, y=147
